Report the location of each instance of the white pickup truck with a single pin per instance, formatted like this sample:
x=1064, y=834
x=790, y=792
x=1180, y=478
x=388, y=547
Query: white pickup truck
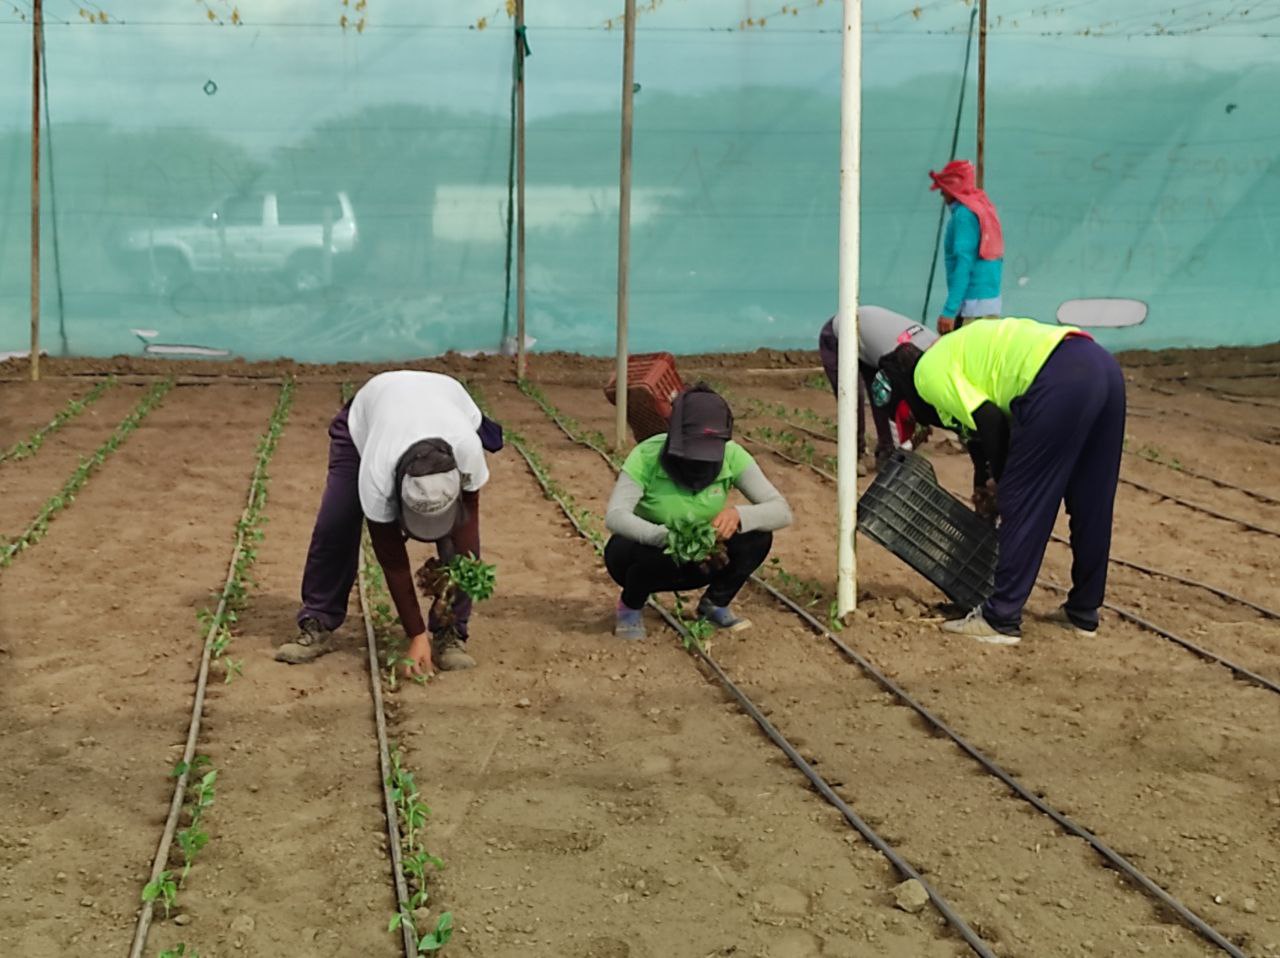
x=300, y=237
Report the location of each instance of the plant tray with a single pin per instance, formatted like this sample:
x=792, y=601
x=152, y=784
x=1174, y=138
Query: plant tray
x=652, y=384
x=907, y=512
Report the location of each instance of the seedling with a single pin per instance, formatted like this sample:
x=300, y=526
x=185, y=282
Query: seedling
x=161, y=888
x=180, y=952
x=82, y=473
x=442, y=581
x=234, y=667
x=26, y=448
x=195, y=765
x=440, y=937
x=191, y=840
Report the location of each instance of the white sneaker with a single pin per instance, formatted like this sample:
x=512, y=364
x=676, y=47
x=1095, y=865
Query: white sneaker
x=975, y=626
x=1059, y=617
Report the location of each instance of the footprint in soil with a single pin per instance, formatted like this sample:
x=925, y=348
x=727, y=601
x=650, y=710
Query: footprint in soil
x=795, y=943
x=604, y=948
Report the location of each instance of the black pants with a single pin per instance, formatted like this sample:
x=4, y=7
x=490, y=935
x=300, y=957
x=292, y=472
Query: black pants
x=642, y=570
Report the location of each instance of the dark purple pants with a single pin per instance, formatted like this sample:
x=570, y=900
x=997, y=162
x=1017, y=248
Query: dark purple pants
x=333, y=560
x=829, y=350
x=1067, y=434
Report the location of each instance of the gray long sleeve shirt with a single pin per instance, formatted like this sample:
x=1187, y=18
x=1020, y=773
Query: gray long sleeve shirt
x=767, y=511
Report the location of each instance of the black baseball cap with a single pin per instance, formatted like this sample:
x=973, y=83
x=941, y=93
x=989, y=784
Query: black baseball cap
x=701, y=424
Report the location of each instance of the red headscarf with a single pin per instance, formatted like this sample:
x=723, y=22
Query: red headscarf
x=957, y=181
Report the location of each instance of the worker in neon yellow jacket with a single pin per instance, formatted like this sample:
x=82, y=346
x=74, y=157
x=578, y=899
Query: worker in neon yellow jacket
x=1045, y=406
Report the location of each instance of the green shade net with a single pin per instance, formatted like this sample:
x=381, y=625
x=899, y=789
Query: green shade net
x=197, y=169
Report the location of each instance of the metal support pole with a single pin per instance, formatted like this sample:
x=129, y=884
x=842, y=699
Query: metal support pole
x=520, y=52
x=624, y=215
x=847, y=311
x=37, y=26
x=982, y=89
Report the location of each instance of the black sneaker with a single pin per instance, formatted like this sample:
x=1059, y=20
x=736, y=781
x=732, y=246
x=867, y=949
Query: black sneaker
x=313, y=641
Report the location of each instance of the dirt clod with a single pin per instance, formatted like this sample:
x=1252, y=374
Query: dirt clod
x=910, y=896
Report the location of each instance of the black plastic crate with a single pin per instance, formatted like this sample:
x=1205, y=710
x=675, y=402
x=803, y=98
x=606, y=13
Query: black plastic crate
x=907, y=512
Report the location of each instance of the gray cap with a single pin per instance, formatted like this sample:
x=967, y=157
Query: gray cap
x=429, y=504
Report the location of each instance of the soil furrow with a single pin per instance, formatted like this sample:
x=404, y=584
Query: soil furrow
x=298, y=819
x=100, y=623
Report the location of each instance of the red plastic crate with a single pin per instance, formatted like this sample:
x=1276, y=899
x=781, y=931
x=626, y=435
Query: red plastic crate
x=652, y=383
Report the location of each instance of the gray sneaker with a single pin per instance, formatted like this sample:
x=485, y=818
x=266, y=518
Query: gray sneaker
x=449, y=653
x=313, y=641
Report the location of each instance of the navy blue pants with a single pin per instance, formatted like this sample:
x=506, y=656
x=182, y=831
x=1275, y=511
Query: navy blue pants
x=1066, y=437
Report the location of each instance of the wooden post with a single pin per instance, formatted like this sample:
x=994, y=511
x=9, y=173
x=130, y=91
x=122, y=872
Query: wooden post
x=982, y=89
x=520, y=48
x=36, y=28
x=624, y=215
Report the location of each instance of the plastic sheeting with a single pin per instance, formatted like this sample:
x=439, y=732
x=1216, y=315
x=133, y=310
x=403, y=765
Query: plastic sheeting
x=198, y=170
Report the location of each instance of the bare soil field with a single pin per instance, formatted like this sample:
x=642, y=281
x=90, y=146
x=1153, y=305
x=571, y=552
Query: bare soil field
x=597, y=799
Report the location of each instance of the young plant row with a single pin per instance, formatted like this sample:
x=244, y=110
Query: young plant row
x=87, y=467
x=199, y=777
x=248, y=535
x=26, y=448
x=416, y=862
x=803, y=591
x=191, y=839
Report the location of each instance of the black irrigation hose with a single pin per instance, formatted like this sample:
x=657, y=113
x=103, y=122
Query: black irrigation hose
x=1199, y=508
x=1221, y=483
x=1201, y=651
x=820, y=784
x=1194, y=921
x=1114, y=858
x=1161, y=574
x=384, y=763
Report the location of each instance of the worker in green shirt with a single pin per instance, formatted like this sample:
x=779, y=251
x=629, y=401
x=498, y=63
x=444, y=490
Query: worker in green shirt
x=686, y=473
x=1046, y=405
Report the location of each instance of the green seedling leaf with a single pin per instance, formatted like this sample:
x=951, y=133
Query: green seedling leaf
x=689, y=540
x=472, y=576
x=440, y=937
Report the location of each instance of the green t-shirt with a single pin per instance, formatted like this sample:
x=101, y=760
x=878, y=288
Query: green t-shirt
x=663, y=501
x=993, y=360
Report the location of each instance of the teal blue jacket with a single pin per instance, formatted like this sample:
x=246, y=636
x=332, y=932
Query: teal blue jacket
x=968, y=277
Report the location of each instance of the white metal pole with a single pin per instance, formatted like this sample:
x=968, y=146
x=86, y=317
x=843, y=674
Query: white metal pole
x=624, y=216
x=847, y=310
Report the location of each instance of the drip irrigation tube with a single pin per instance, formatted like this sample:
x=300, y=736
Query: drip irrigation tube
x=1114, y=858
x=384, y=763
x=791, y=459
x=1221, y=483
x=1195, y=583
x=197, y=706
x=1254, y=527
x=1201, y=651
x=823, y=788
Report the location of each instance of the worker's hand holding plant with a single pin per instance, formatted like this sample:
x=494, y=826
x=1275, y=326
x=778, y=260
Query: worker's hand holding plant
x=984, y=500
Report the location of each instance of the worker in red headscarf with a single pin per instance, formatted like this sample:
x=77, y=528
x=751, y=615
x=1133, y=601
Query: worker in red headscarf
x=973, y=248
